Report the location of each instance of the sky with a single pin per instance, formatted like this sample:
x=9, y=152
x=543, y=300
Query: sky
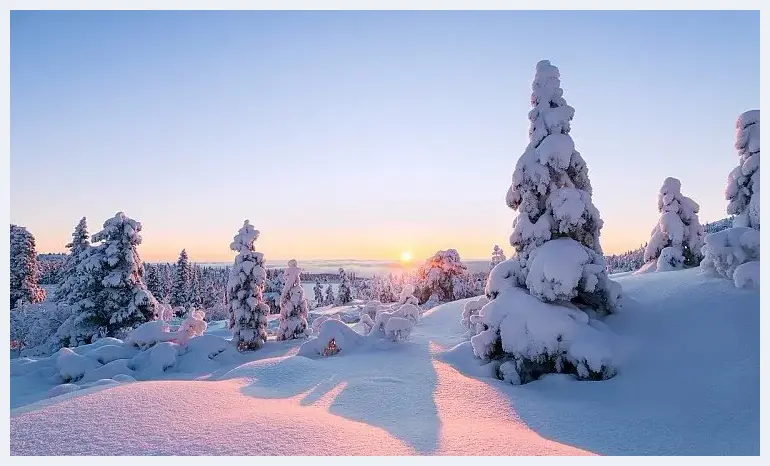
x=360, y=135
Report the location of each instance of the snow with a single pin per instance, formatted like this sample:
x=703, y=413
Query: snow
x=398, y=328
x=148, y=334
x=343, y=336
x=746, y=275
x=377, y=397
x=725, y=250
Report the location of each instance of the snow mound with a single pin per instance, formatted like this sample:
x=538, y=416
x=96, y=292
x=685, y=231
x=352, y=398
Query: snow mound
x=333, y=336
x=149, y=334
x=536, y=338
x=62, y=389
x=398, y=328
x=73, y=366
x=471, y=309
x=746, y=275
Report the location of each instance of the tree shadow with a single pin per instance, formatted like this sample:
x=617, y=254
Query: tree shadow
x=362, y=385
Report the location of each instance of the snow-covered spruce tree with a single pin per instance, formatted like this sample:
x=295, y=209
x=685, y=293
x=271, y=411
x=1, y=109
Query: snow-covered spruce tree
x=111, y=295
x=537, y=320
x=742, y=191
x=24, y=275
x=551, y=193
x=293, y=305
x=343, y=293
x=734, y=253
x=248, y=311
x=152, y=276
x=319, y=294
x=677, y=238
x=444, y=275
x=183, y=280
x=497, y=256
x=78, y=249
x=329, y=298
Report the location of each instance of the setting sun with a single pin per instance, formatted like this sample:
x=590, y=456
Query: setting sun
x=406, y=257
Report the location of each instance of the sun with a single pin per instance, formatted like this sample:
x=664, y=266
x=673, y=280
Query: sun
x=406, y=257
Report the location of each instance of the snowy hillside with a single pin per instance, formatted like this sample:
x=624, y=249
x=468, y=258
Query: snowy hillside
x=687, y=384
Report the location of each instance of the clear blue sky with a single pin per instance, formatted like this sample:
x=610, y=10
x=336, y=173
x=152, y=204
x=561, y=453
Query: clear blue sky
x=360, y=134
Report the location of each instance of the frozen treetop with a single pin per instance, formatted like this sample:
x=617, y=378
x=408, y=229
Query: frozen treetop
x=118, y=226
x=244, y=240
x=747, y=135
x=292, y=274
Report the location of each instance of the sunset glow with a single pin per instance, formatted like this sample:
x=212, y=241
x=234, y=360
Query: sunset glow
x=406, y=257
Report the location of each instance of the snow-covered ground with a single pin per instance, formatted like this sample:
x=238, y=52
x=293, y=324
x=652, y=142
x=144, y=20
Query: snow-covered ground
x=687, y=384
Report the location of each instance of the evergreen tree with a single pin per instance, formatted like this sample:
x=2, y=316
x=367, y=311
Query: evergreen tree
x=497, y=256
x=743, y=182
x=551, y=193
x=111, y=295
x=248, y=311
x=343, y=294
x=25, y=275
x=154, y=281
x=182, y=284
x=329, y=298
x=319, y=295
x=293, y=305
x=78, y=247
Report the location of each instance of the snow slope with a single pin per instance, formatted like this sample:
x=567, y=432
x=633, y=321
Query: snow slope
x=688, y=383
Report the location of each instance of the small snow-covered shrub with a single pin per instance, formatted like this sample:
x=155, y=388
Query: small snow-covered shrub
x=433, y=301
x=149, y=334
x=536, y=338
x=333, y=337
x=677, y=238
x=746, y=275
x=727, y=249
x=73, y=366
x=410, y=312
x=398, y=328
x=407, y=296
x=165, y=312
x=472, y=308
x=62, y=389
x=372, y=307
x=194, y=325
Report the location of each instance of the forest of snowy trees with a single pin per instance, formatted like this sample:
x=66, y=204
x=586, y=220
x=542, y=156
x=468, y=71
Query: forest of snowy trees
x=557, y=278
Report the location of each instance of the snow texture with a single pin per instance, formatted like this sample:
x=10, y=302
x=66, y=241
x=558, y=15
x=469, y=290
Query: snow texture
x=293, y=305
x=248, y=311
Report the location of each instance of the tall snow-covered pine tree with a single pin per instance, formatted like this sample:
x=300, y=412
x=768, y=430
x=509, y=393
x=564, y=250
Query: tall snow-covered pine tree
x=25, y=275
x=293, y=305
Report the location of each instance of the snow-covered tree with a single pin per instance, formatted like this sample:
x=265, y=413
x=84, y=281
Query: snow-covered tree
x=497, y=256
x=343, y=293
x=319, y=294
x=443, y=274
x=329, y=298
x=248, y=311
x=551, y=193
x=78, y=247
x=183, y=281
x=24, y=276
x=677, y=238
x=154, y=280
x=293, y=305
x=529, y=321
x=742, y=190
x=111, y=296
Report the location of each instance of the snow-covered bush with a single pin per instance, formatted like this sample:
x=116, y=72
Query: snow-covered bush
x=25, y=275
x=497, y=256
x=110, y=297
x=193, y=326
x=149, y=334
x=746, y=275
x=471, y=309
x=398, y=328
x=372, y=307
x=34, y=327
x=165, y=312
x=551, y=192
x=443, y=275
x=293, y=305
x=248, y=311
x=318, y=294
x=433, y=301
x=333, y=337
x=407, y=296
x=726, y=250
x=677, y=238
x=79, y=248
x=742, y=190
